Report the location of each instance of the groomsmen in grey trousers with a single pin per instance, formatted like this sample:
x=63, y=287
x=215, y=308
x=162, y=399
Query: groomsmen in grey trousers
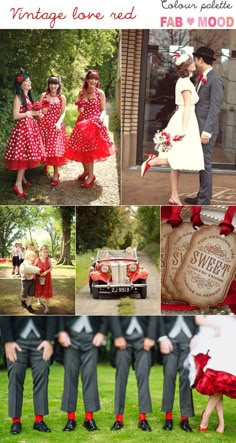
x=81, y=338
x=211, y=92
x=28, y=341
x=175, y=336
x=133, y=339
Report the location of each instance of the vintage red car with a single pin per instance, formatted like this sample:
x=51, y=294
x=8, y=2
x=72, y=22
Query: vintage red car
x=117, y=272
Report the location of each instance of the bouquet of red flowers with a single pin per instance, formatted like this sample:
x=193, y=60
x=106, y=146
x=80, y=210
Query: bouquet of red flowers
x=45, y=103
x=36, y=106
x=163, y=141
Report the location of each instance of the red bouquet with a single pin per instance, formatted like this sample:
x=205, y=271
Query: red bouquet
x=45, y=103
x=36, y=106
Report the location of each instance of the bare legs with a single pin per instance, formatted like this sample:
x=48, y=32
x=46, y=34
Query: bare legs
x=88, y=173
x=214, y=402
x=19, y=179
x=55, y=173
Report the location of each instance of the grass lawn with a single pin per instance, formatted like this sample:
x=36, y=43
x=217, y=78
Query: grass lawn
x=83, y=263
x=62, y=302
x=105, y=418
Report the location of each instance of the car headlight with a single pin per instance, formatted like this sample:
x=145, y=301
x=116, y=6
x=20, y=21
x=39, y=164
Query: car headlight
x=133, y=267
x=105, y=269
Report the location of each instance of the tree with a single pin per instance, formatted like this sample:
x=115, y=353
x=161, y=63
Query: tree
x=11, y=230
x=67, y=214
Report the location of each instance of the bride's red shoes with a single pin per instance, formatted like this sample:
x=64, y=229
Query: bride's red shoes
x=201, y=429
x=18, y=193
x=146, y=165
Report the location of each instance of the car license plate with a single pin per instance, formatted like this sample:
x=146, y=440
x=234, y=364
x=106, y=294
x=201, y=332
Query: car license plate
x=124, y=290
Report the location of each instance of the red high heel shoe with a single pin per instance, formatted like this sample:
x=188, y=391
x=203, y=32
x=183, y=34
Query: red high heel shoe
x=171, y=201
x=55, y=181
x=146, y=165
x=27, y=183
x=86, y=184
x=201, y=429
x=18, y=193
x=82, y=176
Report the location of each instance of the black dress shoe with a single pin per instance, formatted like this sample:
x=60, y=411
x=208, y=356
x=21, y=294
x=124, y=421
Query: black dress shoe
x=144, y=425
x=15, y=428
x=70, y=425
x=168, y=425
x=30, y=309
x=184, y=424
x=23, y=304
x=191, y=200
x=90, y=425
x=117, y=425
x=41, y=426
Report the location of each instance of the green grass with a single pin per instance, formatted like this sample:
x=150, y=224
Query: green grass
x=71, y=117
x=83, y=263
x=62, y=302
x=105, y=418
x=126, y=306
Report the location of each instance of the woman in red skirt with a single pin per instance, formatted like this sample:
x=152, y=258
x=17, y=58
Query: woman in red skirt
x=89, y=140
x=25, y=148
x=52, y=127
x=43, y=283
x=215, y=365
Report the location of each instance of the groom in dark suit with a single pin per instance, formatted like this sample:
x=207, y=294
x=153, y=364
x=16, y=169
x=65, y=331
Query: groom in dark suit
x=175, y=336
x=28, y=341
x=133, y=339
x=210, y=89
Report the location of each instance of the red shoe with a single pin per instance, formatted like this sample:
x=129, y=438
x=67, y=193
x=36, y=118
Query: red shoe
x=201, y=429
x=86, y=184
x=82, y=176
x=55, y=182
x=145, y=165
x=171, y=201
x=27, y=183
x=18, y=193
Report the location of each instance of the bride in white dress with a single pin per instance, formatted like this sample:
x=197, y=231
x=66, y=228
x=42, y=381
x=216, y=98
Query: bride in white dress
x=186, y=153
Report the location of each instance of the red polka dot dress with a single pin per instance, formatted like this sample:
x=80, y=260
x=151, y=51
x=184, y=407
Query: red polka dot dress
x=25, y=148
x=89, y=140
x=54, y=140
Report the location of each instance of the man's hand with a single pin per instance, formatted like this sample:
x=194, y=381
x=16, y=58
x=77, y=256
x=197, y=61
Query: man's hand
x=120, y=343
x=204, y=139
x=148, y=344
x=98, y=339
x=10, y=349
x=47, y=349
x=166, y=346
x=64, y=339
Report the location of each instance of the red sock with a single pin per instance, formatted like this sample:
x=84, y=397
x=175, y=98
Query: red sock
x=16, y=420
x=119, y=417
x=71, y=416
x=38, y=418
x=169, y=416
x=88, y=416
x=183, y=418
x=142, y=416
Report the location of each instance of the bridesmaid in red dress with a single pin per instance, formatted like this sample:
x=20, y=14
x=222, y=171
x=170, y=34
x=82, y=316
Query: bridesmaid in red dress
x=25, y=148
x=43, y=283
x=215, y=364
x=89, y=140
x=52, y=127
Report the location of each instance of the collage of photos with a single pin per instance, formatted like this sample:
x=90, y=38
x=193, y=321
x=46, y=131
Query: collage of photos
x=117, y=235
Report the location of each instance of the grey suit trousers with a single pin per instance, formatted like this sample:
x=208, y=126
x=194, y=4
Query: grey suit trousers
x=205, y=193
x=82, y=357
x=173, y=364
x=16, y=376
x=142, y=365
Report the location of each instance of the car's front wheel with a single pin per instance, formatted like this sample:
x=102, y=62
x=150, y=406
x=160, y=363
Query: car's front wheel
x=95, y=290
x=143, y=291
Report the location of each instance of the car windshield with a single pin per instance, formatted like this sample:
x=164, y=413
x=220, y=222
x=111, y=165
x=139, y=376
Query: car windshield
x=125, y=254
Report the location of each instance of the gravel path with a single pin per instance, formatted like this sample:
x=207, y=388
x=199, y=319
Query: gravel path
x=116, y=305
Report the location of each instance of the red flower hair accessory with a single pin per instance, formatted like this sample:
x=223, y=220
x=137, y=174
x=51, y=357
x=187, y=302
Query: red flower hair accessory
x=19, y=78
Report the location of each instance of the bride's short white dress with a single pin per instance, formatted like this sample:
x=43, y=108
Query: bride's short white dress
x=186, y=154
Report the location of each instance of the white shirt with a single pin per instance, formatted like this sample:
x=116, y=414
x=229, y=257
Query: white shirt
x=82, y=324
x=134, y=326
x=30, y=327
